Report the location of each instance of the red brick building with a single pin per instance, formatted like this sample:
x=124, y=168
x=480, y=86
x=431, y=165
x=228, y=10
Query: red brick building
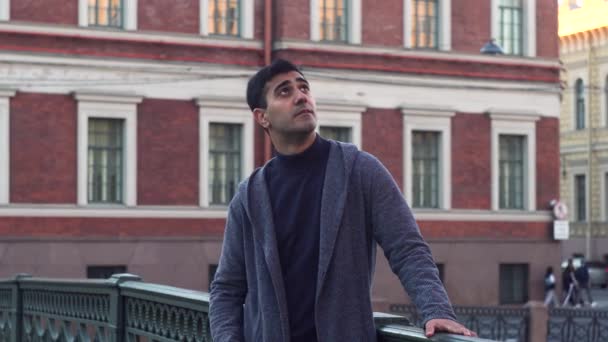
x=124, y=129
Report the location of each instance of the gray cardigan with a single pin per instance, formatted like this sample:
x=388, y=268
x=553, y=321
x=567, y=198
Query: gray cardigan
x=360, y=205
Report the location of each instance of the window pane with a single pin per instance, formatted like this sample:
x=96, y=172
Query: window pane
x=106, y=13
x=333, y=20
x=105, y=161
x=511, y=26
x=425, y=23
x=343, y=134
x=580, y=104
x=513, y=283
x=511, y=171
x=224, y=17
x=425, y=169
x=581, y=197
x=225, y=160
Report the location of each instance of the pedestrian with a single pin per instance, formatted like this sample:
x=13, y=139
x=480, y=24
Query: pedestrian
x=569, y=285
x=299, y=247
x=582, y=277
x=550, y=297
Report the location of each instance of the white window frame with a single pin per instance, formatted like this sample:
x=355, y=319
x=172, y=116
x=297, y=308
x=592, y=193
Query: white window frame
x=528, y=28
x=246, y=18
x=5, y=180
x=579, y=171
x=223, y=110
x=515, y=124
x=109, y=107
x=5, y=10
x=341, y=115
x=354, y=21
x=574, y=75
x=444, y=42
x=435, y=120
x=129, y=14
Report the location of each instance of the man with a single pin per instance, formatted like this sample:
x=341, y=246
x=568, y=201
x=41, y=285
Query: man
x=581, y=275
x=299, y=247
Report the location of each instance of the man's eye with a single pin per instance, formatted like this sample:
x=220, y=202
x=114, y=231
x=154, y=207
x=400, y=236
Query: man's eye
x=305, y=89
x=284, y=91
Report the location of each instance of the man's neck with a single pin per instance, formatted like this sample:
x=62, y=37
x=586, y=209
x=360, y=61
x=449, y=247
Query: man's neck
x=293, y=144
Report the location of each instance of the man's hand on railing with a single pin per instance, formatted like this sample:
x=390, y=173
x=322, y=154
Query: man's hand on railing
x=447, y=326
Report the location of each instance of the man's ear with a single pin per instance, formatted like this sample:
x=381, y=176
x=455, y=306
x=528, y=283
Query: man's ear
x=260, y=117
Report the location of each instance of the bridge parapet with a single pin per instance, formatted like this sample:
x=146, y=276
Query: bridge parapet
x=124, y=308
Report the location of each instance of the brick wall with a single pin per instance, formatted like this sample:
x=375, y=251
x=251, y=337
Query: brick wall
x=292, y=20
x=471, y=25
x=485, y=230
x=547, y=162
x=172, y=16
x=547, y=44
x=168, y=145
x=382, y=23
x=43, y=148
x=47, y=11
x=383, y=137
x=471, y=162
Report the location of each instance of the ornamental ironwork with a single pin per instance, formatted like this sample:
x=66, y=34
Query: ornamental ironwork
x=577, y=325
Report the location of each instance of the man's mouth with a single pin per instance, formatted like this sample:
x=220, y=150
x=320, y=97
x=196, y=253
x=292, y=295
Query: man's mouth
x=304, y=111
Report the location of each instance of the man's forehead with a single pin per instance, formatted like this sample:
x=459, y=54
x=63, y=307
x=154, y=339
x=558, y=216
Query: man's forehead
x=288, y=76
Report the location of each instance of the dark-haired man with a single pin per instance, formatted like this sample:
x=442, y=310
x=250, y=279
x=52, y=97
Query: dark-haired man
x=299, y=247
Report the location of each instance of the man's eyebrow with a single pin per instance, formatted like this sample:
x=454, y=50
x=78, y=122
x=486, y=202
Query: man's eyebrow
x=281, y=84
x=302, y=79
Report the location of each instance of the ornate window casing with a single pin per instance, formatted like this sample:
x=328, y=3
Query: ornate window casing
x=579, y=105
x=341, y=116
x=577, y=76
x=108, y=107
x=243, y=24
x=5, y=96
x=429, y=120
x=5, y=10
x=443, y=22
x=520, y=125
x=353, y=21
x=527, y=25
x=127, y=13
x=578, y=172
x=223, y=111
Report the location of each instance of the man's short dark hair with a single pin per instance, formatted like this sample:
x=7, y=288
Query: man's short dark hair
x=256, y=88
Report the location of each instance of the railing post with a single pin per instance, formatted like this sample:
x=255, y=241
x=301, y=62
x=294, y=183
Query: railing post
x=18, y=305
x=539, y=318
x=117, y=304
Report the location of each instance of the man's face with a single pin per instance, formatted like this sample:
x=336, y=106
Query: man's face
x=290, y=106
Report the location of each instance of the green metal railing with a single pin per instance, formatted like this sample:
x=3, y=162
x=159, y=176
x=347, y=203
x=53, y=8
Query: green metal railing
x=124, y=308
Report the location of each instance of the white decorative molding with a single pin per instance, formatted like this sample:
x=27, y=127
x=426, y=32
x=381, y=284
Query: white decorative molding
x=522, y=125
x=444, y=42
x=223, y=110
x=353, y=17
x=246, y=18
x=5, y=10
x=429, y=118
x=129, y=14
x=5, y=182
x=114, y=106
x=528, y=27
x=341, y=115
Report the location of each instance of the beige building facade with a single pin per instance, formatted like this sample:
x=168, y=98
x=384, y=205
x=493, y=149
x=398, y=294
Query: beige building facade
x=583, y=35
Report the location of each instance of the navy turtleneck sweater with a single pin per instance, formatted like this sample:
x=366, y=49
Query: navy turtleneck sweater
x=295, y=185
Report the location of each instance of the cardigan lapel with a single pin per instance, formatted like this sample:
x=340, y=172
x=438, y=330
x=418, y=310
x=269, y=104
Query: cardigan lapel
x=264, y=232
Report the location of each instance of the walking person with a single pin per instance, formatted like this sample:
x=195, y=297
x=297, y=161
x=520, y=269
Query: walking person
x=582, y=277
x=550, y=295
x=299, y=247
x=569, y=285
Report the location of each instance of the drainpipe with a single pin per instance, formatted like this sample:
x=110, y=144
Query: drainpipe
x=268, y=42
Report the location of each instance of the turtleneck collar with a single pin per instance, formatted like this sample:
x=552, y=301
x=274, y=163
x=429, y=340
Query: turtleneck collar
x=307, y=157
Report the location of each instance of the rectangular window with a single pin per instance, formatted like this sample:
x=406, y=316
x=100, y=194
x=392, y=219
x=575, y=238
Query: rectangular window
x=333, y=20
x=225, y=159
x=425, y=21
x=104, y=272
x=511, y=171
x=511, y=26
x=108, y=13
x=425, y=169
x=580, y=194
x=224, y=17
x=343, y=134
x=513, y=283
x=105, y=161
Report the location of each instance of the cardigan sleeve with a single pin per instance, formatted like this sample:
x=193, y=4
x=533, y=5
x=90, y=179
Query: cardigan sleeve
x=409, y=256
x=229, y=288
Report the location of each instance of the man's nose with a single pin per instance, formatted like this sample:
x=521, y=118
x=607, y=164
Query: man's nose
x=301, y=97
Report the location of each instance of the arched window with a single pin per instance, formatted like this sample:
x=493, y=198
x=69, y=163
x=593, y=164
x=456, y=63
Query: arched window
x=580, y=104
